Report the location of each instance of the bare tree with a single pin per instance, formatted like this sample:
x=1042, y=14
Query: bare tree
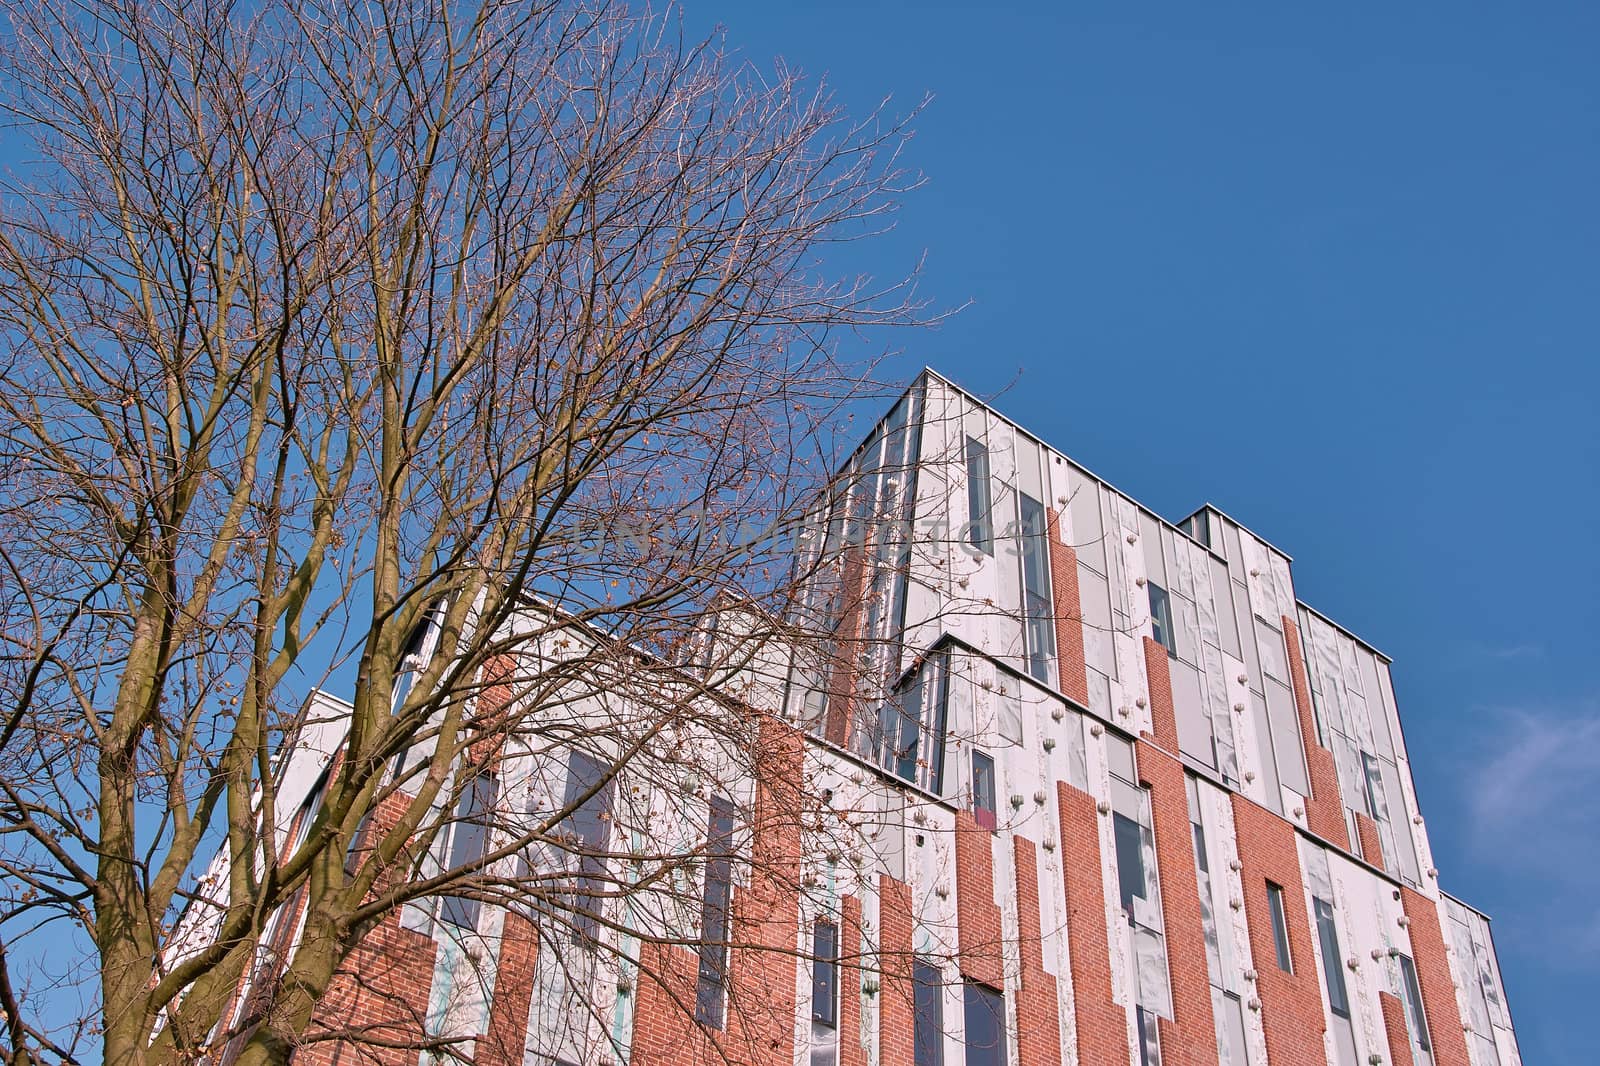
x=333, y=329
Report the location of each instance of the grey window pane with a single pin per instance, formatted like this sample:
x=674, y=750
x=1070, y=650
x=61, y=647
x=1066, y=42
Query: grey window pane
x=927, y=1014
x=714, y=914
x=985, y=1017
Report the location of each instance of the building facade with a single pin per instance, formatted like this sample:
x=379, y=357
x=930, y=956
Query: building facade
x=1066, y=784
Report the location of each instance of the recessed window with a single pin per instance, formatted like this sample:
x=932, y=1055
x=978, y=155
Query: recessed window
x=1332, y=965
x=1374, y=790
x=587, y=799
x=980, y=504
x=1280, y=927
x=1039, y=620
x=1161, y=617
x=1413, y=995
x=825, y=974
x=983, y=789
x=927, y=1026
x=1130, y=860
x=986, y=1025
x=714, y=915
x=469, y=839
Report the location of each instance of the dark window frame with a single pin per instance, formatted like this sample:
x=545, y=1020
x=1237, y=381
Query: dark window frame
x=984, y=1013
x=1332, y=964
x=716, y=914
x=927, y=1013
x=1279, y=916
x=1161, y=617
x=825, y=973
x=980, y=497
x=984, y=811
x=469, y=842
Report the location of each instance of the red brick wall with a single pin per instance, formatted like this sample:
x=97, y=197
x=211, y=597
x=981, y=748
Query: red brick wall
x=1158, y=670
x=1394, y=1025
x=1102, y=1025
x=1324, y=807
x=851, y=1050
x=1291, y=1004
x=1071, y=667
x=1371, y=842
x=1433, y=974
x=1038, y=1016
x=502, y=1044
x=896, y=1017
x=380, y=992
x=843, y=675
x=379, y=996
x=1190, y=1039
x=760, y=1012
x=977, y=916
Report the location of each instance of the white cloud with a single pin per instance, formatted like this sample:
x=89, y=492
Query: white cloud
x=1538, y=770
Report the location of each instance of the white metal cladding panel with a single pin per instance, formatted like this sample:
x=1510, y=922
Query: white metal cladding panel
x=1222, y=596
x=1095, y=595
x=1086, y=520
x=1369, y=927
x=1285, y=724
x=1150, y=537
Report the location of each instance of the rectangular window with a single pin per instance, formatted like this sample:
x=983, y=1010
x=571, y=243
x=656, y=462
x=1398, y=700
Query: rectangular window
x=986, y=1025
x=714, y=914
x=1413, y=996
x=927, y=1028
x=585, y=833
x=1161, y=617
x=825, y=974
x=980, y=527
x=983, y=790
x=1130, y=860
x=469, y=840
x=1332, y=964
x=1149, y=1037
x=1280, y=927
x=918, y=708
x=1374, y=780
x=1039, y=622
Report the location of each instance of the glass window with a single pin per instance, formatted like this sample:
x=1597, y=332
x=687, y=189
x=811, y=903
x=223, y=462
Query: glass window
x=1130, y=861
x=927, y=1014
x=469, y=840
x=986, y=1025
x=1036, y=589
x=1280, y=927
x=1413, y=996
x=1161, y=617
x=1332, y=964
x=1149, y=1037
x=714, y=914
x=980, y=522
x=825, y=973
x=585, y=831
x=983, y=782
x=1374, y=790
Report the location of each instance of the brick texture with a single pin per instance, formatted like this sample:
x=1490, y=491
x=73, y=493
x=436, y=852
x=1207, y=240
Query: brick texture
x=1394, y=1026
x=852, y=1052
x=1071, y=666
x=1433, y=974
x=502, y=1044
x=977, y=916
x=1371, y=842
x=1038, y=1016
x=759, y=1018
x=1190, y=1038
x=1158, y=670
x=844, y=679
x=896, y=1015
x=379, y=995
x=1291, y=1003
x=1102, y=1025
x=1324, y=807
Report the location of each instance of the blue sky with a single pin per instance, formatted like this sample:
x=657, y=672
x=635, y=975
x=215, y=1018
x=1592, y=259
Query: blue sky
x=1334, y=268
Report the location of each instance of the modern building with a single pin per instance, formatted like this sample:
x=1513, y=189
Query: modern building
x=1085, y=786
